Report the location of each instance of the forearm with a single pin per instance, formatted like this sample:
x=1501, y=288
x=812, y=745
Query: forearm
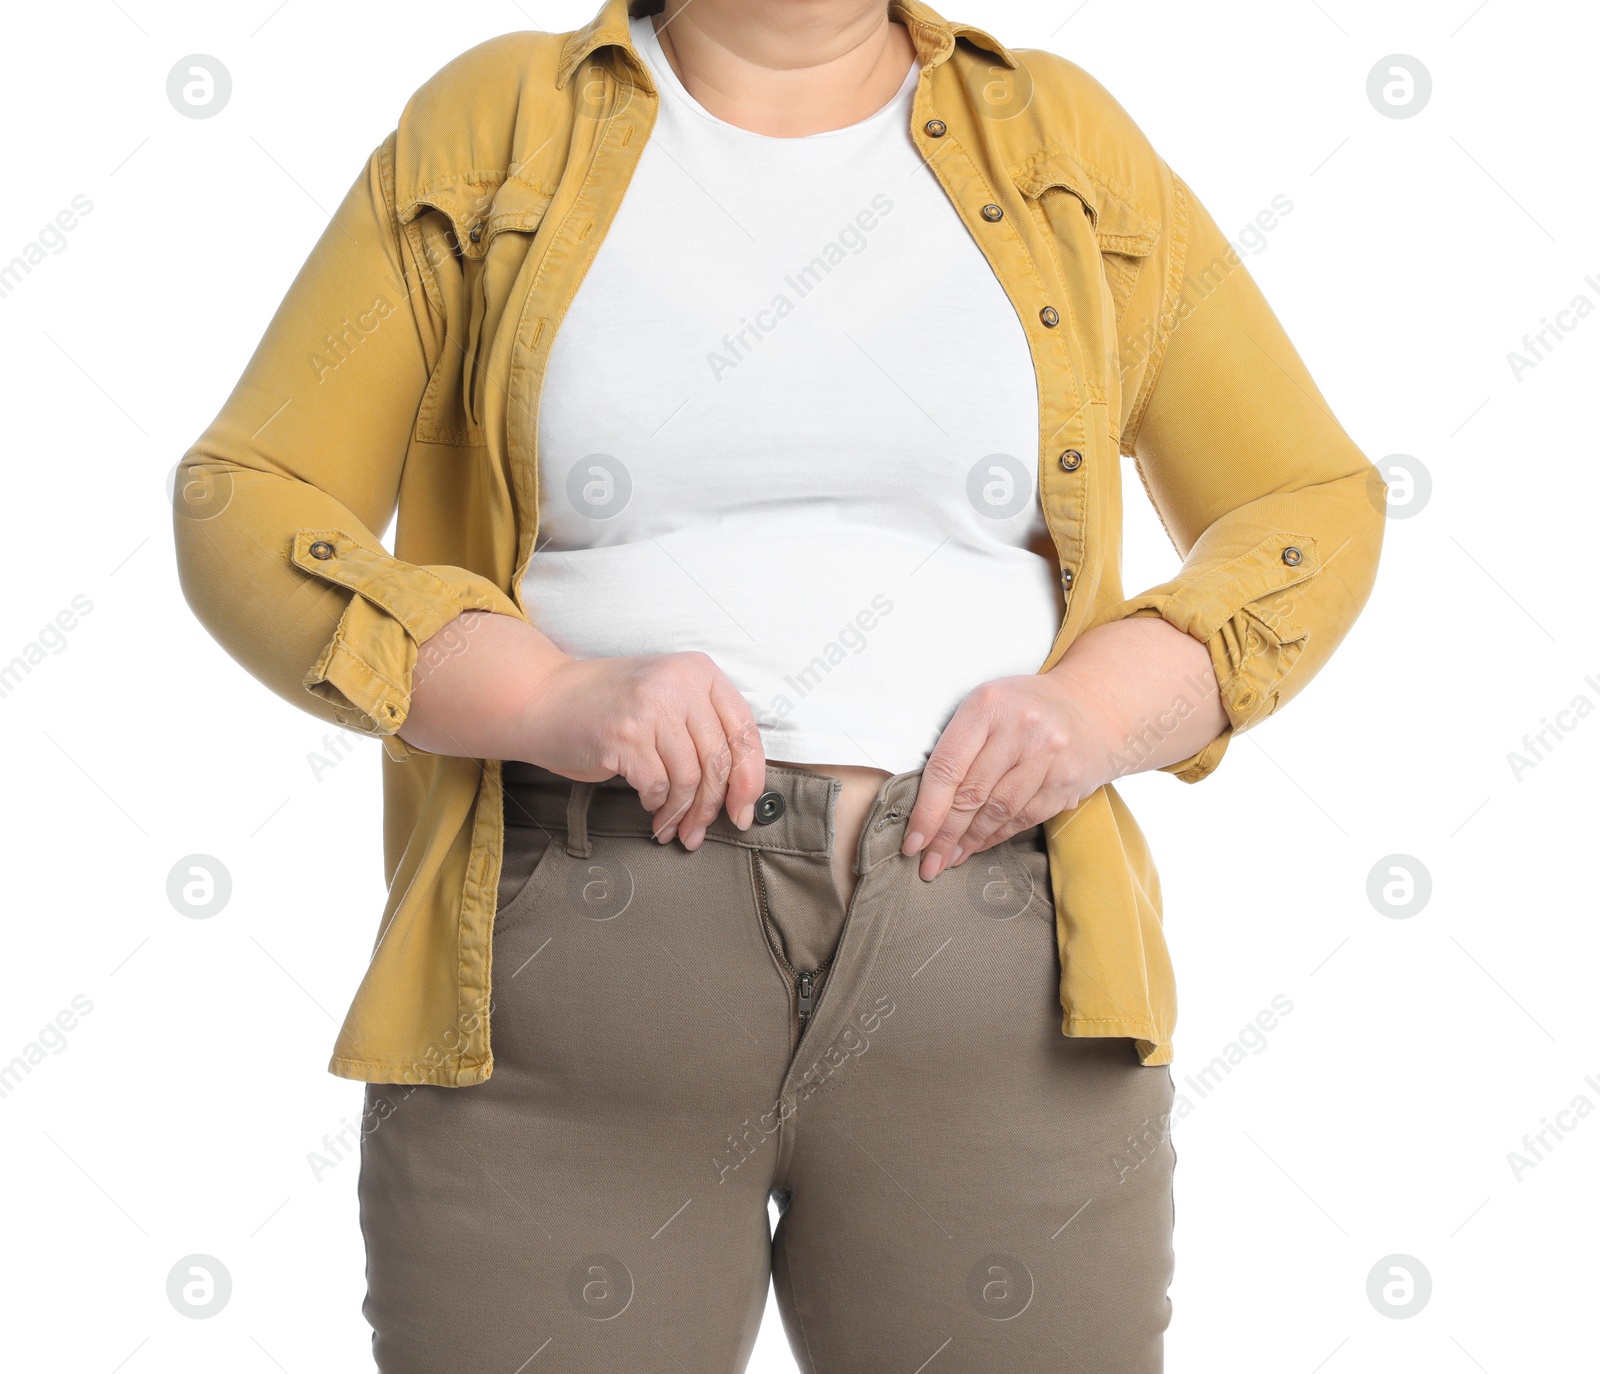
x=1149, y=690
x=473, y=686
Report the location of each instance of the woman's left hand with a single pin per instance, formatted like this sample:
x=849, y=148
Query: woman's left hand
x=1020, y=750
x=1017, y=751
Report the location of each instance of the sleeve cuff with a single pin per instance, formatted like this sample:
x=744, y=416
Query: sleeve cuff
x=1202, y=764
x=1238, y=611
x=366, y=670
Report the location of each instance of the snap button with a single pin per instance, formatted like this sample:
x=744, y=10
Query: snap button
x=322, y=549
x=769, y=806
x=1049, y=316
x=992, y=213
x=934, y=128
x=1292, y=556
x=477, y=233
x=1072, y=460
x=1066, y=577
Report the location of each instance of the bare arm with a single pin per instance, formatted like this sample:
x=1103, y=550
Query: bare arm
x=1150, y=691
x=1127, y=696
x=672, y=725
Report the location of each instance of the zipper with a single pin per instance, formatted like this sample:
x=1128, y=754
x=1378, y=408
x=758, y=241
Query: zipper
x=804, y=980
x=889, y=817
x=802, y=989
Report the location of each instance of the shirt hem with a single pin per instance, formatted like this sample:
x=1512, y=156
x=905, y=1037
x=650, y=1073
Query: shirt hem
x=1155, y=1049
x=821, y=751
x=461, y=1075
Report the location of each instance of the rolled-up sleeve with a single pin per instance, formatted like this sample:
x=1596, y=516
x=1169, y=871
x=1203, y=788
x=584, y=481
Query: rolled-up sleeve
x=279, y=503
x=1278, y=516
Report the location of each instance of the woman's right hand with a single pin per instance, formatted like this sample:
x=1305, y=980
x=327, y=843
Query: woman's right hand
x=672, y=725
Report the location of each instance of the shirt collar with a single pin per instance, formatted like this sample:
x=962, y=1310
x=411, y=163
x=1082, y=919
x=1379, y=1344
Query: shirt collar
x=933, y=36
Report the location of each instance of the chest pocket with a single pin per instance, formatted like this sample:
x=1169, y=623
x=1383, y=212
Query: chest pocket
x=473, y=237
x=1083, y=215
x=1061, y=191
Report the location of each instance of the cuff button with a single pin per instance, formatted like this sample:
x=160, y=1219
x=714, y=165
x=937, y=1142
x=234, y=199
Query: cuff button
x=322, y=549
x=1072, y=460
x=1293, y=557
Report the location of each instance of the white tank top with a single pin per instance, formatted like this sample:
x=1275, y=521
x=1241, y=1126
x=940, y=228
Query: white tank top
x=790, y=419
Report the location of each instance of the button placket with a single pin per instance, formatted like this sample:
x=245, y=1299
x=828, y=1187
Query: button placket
x=535, y=332
x=1026, y=271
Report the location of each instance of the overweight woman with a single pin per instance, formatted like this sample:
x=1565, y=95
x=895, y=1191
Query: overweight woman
x=748, y=383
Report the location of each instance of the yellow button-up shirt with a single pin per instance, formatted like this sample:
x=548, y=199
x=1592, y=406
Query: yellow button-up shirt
x=400, y=379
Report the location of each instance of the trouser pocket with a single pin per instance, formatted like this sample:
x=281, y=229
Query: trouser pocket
x=527, y=847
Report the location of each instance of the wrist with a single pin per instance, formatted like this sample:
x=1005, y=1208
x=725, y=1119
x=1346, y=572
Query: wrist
x=1092, y=725
x=539, y=687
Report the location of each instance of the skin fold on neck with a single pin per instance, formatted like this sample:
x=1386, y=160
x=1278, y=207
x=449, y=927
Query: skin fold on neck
x=786, y=68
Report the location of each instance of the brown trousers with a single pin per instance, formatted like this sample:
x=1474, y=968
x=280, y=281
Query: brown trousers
x=679, y=1037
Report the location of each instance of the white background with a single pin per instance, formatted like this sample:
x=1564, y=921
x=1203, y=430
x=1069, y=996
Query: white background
x=1377, y=1119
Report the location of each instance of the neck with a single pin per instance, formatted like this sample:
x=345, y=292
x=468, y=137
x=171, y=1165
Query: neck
x=786, y=68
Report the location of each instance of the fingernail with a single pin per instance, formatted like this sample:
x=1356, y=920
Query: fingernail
x=912, y=842
x=935, y=863
x=666, y=835
x=958, y=856
x=746, y=816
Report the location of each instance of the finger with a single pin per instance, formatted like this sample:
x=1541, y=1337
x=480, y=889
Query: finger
x=1031, y=816
x=1054, y=798
x=945, y=771
x=716, y=762
x=678, y=752
x=646, y=772
x=974, y=792
x=1012, y=797
x=747, y=777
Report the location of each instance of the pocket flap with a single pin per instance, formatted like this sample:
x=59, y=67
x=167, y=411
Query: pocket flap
x=481, y=206
x=1119, y=225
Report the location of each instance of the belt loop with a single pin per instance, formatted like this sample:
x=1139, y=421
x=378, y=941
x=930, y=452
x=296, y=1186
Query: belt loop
x=578, y=844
